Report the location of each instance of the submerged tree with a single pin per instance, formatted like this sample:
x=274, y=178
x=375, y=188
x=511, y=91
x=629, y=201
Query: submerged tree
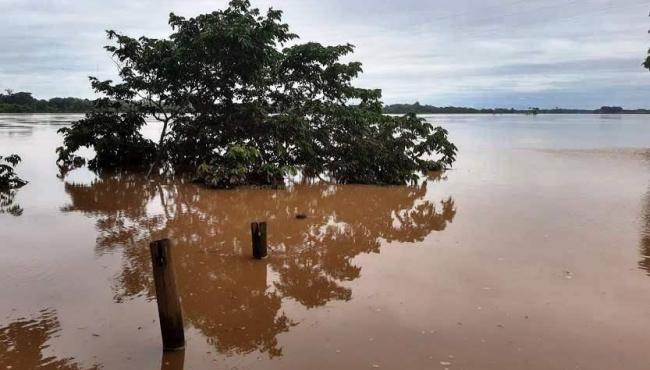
x=9, y=182
x=237, y=109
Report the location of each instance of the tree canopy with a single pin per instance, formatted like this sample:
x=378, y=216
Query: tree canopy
x=238, y=106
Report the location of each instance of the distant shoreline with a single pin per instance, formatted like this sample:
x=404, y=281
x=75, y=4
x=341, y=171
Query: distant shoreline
x=24, y=102
x=524, y=113
x=429, y=109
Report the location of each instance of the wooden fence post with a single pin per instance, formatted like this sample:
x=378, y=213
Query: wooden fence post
x=169, y=305
x=258, y=233
x=173, y=360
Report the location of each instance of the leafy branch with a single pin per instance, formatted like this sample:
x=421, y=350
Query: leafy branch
x=8, y=178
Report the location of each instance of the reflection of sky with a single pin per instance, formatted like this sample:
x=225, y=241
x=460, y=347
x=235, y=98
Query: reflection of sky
x=546, y=131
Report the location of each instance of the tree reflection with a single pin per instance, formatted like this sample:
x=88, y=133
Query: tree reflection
x=8, y=203
x=235, y=301
x=23, y=341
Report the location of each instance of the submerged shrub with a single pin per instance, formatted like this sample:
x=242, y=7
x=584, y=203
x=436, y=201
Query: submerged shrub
x=9, y=180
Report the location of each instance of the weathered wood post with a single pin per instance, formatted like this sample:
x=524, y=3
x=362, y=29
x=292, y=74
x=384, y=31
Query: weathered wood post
x=173, y=360
x=169, y=305
x=258, y=232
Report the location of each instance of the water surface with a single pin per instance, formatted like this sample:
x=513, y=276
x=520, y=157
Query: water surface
x=533, y=253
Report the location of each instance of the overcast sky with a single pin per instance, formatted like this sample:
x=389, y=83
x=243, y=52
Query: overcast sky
x=482, y=53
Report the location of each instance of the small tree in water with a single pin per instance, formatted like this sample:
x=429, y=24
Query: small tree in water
x=9, y=181
x=236, y=109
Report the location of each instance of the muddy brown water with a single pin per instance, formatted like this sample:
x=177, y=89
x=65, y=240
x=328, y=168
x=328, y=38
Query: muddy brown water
x=533, y=253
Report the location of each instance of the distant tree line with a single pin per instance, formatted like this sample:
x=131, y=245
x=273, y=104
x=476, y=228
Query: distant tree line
x=418, y=108
x=24, y=102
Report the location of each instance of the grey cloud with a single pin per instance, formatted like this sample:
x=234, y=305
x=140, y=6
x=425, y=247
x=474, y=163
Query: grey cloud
x=464, y=52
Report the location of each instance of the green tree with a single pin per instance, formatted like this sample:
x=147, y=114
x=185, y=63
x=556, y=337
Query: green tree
x=237, y=109
x=9, y=182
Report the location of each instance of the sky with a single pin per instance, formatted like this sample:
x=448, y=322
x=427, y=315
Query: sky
x=480, y=53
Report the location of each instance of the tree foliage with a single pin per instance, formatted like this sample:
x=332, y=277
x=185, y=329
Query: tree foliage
x=24, y=102
x=611, y=110
x=237, y=106
x=9, y=180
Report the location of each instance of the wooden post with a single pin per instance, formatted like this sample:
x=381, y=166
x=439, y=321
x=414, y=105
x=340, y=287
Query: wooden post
x=173, y=360
x=258, y=232
x=169, y=305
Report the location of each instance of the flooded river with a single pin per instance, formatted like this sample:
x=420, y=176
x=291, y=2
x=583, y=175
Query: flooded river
x=532, y=253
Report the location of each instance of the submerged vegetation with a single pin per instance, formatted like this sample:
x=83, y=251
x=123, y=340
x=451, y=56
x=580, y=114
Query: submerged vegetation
x=9, y=180
x=236, y=109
